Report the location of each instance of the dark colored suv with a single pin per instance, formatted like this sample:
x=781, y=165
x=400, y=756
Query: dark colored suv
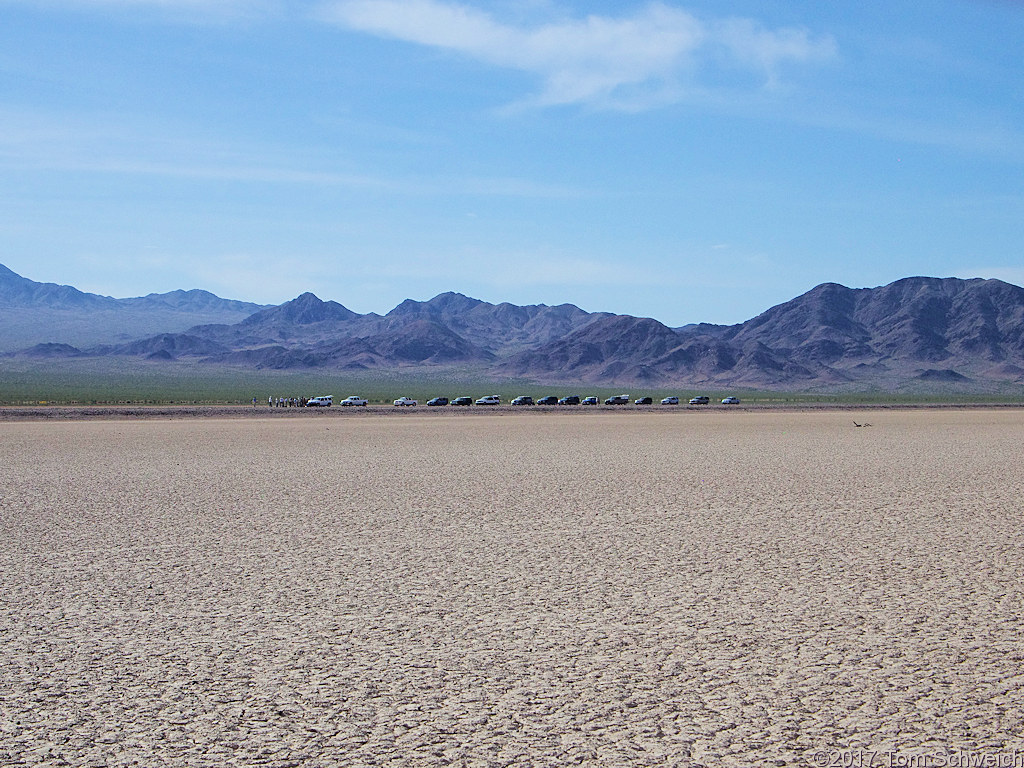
x=438, y=401
x=549, y=400
x=570, y=400
x=462, y=401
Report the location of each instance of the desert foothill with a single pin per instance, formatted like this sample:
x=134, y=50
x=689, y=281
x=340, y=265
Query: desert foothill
x=684, y=588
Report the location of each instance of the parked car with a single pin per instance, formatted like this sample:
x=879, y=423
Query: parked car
x=405, y=401
x=700, y=400
x=591, y=400
x=489, y=400
x=549, y=400
x=462, y=401
x=731, y=401
x=670, y=400
x=353, y=400
x=570, y=400
x=643, y=401
x=438, y=401
x=523, y=400
x=320, y=401
x=617, y=400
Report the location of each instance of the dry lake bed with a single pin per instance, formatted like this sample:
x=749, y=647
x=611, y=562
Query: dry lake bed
x=685, y=589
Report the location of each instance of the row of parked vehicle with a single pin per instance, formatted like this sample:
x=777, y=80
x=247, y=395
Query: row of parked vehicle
x=326, y=401
x=355, y=400
x=615, y=400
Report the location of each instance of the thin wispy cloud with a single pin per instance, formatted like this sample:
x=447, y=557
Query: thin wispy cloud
x=505, y=269
x=190, y=11
x=765, y=51
x=631, y=62
x=107, y=145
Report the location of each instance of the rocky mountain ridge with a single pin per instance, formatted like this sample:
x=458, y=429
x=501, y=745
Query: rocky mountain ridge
x=919, y=332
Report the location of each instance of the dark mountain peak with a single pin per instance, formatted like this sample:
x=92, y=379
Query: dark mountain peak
x=908, y=290
x=918, y=282
x=997, y=291
x=829, y=292
x=968, y=323
x=827, y=310
x=621, y=327
x=946, y=294
x=565, y=308
x=407, y=307
x=454, y=302
x=305, y=309
x=823, y=295
x=449, y=303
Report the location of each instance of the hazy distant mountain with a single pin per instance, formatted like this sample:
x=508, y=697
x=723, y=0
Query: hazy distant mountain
x=46, y=313
x=18, y=291
x=917, y=333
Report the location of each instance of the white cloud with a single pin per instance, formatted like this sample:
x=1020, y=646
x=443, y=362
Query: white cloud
x=764, y=50
x=625, y=63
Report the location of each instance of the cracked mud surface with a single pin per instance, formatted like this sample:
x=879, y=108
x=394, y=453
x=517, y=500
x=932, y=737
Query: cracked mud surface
x=505, y=591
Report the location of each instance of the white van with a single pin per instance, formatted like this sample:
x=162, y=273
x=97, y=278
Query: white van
x=320, y=401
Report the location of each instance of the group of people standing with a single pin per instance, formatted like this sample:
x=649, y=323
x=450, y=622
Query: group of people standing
x=284, y=402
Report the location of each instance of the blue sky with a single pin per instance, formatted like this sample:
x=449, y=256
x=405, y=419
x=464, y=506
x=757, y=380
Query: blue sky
x=695, y=161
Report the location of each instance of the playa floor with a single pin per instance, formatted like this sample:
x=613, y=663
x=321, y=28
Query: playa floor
x=715, y=589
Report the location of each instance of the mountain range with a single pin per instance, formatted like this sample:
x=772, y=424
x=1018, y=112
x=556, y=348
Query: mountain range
x=918, y=333
x=32, y=312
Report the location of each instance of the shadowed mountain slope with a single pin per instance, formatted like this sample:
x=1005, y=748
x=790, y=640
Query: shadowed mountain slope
x=920, y=328
x=917, y=320
x=919, y=332
x=498, y=328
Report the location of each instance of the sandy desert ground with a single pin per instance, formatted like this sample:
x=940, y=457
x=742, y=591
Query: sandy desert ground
x=749, y=589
